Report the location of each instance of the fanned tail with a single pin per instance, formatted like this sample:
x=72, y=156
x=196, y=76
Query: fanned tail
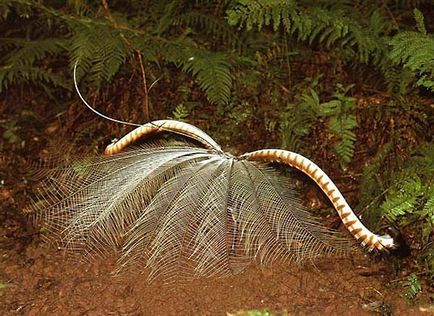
x=176, y=211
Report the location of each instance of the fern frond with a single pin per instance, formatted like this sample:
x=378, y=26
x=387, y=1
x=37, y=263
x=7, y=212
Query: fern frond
x=251, y=14
x=428, y=208
x=420, y=21
x=370, y=186
x=181, y=113
x=20, y=63
x=341, y=122
x=22, y=8
x=331, y=26
x=423, y=163
x=211, y=70
x=28, y=52
x=342, y=127
x=423, y=159
x=297, y=121
x=99, y=49
x=415, y=51
x=412, y=287
x=402, y=197
x=212, y=26
x=30, y=75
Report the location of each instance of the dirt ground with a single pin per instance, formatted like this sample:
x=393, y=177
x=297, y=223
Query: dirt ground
x=41, y=281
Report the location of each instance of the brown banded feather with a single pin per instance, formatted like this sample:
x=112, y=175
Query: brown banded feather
x=363, y=238
x=371, y=240
x=356, y=230
x=345, y=215
x=335, y=199
x=159, y=126
x=330, y=193
x=303, y=167
x=350, y=223
x=340, y=207
x=344, y=210
x=378, y=245
x=313, y=173
x=295, y=162
x=324, y=186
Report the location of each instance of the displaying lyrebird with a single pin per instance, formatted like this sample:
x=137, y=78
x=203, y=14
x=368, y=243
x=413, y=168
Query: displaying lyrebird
x=188, y=208
x=179, y=209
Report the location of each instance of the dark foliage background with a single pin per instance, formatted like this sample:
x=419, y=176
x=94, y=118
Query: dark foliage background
x=348, y=83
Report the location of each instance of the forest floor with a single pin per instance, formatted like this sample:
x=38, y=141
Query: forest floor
x=37, y=279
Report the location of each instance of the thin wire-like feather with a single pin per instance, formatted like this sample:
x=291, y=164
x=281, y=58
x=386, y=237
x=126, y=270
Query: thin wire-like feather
x=178, y=211
x=140, y=233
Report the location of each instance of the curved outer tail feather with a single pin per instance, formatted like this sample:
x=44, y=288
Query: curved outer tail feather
x=162, y=126
x=349, y=219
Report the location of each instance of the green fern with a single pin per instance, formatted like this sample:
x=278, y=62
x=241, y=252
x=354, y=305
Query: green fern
x=212, y=71
x=102, y=48
x=297, y=121
x=415, y=51
x=23, y=62
x=104, y=55
x=329, y=26
x=341, y=123
x=412, y=287
x=403, y=196
x=412, y=191
x=27, y=52
x=342, y=127
x=423, y=159
x=428, y=209
x=253, y=13
x=212, y=26
x=181, y=113
x=372, y=183
x=31, y=75
x=22, y=8
x=424, y=162
x=99, y=49
x=354, y=34
x=398, y=79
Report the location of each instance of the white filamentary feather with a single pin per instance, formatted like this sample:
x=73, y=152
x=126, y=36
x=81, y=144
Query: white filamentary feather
x=174, y=210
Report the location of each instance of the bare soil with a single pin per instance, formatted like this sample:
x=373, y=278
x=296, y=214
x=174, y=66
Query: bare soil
x=40, y=281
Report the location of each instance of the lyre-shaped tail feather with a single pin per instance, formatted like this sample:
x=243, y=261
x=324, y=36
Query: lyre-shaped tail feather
x=176, y=210
x=159, y=126
x=350, y=220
